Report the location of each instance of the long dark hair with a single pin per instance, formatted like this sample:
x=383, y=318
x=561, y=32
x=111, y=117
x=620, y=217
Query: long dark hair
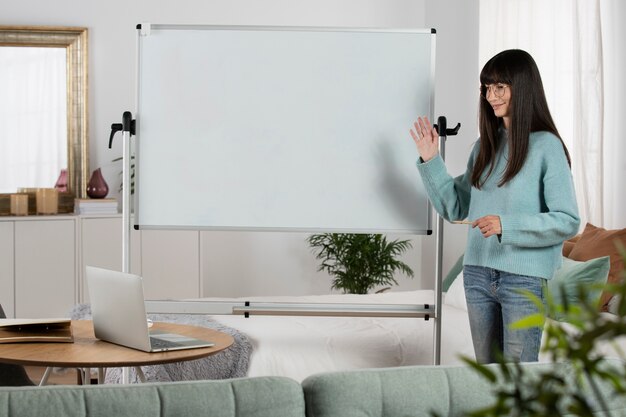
x=529, y=113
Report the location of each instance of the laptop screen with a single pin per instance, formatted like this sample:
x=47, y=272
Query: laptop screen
x=117, y=307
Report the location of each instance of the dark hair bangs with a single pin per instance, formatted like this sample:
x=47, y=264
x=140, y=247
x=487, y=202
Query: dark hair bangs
x=496, y=71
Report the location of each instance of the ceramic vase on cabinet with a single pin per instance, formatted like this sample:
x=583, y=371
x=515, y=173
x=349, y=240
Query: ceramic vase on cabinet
x=97, y=186
x=61, y=183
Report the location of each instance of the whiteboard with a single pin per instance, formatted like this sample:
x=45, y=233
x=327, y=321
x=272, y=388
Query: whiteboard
x=278, y=128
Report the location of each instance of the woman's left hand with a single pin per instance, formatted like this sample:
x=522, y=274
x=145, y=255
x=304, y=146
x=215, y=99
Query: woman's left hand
x=489, y=225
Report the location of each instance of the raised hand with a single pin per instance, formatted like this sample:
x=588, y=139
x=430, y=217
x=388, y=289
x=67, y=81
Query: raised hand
x=425, y=137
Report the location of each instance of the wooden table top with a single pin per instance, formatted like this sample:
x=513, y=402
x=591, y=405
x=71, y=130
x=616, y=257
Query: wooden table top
x=89, y=352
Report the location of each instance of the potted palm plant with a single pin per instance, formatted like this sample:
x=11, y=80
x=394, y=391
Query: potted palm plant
x=360, y=262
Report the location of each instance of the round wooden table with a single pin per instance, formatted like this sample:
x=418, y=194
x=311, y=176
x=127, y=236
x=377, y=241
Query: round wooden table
x=89, y=352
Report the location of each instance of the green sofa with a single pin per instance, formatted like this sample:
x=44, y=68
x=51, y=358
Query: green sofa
x=404, y=391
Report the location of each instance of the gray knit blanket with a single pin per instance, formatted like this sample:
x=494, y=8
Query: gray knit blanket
x=229, y=363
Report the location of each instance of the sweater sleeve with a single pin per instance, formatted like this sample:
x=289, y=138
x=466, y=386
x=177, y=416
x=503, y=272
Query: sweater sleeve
x=559, y=219
x=449, y=196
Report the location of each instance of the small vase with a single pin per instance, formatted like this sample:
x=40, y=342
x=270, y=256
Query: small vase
x=97, y=186
x=61, y=183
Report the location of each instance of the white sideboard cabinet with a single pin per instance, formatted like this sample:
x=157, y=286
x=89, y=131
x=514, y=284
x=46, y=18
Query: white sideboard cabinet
x=43, y=259
x=38, y=276
x=7, y=283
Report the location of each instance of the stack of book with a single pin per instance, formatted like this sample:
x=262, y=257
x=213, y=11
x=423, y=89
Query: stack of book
x=95, y=206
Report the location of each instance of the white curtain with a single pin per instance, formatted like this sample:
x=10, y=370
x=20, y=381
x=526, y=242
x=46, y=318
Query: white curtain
x=613, y=15
x=575, y=47
x=33, y=117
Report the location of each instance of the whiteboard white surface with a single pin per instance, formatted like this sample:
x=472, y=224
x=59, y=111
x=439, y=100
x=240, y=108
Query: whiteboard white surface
x=265, y=128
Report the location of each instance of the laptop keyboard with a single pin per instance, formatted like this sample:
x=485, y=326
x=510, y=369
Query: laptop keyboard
x=157, y=343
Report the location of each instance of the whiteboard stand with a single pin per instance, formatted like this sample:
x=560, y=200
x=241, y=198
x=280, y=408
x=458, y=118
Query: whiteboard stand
x=398, y=84
x=128, y=129
x=444, y=132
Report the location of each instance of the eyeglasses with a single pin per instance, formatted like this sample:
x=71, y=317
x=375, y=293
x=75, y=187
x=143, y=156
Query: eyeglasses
x=495, y=89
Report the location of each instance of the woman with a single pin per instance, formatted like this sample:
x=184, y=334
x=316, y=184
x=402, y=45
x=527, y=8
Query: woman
x=519, y=195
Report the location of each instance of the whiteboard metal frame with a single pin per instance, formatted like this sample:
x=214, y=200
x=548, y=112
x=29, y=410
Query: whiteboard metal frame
x=145, y=29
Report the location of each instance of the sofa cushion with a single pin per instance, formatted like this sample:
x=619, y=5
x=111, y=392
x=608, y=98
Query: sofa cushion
x=568, y=245
x=405, y=391
x=243, y=397
x=596, y=242
x=416, y=391
x=572, y=274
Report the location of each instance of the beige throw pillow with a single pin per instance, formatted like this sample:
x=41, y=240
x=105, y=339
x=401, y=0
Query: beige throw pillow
x=596, y=242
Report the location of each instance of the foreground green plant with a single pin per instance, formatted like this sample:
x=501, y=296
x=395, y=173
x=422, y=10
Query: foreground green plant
x=521, y=393
x=360, y=262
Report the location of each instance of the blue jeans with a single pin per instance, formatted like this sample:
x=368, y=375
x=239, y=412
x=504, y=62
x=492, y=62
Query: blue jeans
x=493, y=303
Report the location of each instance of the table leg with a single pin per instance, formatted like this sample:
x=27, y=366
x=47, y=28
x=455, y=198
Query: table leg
x=140, y=374
x=46, y=375
x=86, y=375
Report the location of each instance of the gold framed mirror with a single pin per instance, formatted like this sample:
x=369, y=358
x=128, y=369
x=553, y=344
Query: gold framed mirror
x=74, y=40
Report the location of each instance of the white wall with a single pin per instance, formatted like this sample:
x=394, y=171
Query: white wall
x=112, y=37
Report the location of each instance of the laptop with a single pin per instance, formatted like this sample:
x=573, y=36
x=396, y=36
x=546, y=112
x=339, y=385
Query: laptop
x=119, y=314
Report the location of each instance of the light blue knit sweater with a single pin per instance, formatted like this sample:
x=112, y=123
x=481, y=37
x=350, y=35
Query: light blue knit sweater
x=537, y=208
